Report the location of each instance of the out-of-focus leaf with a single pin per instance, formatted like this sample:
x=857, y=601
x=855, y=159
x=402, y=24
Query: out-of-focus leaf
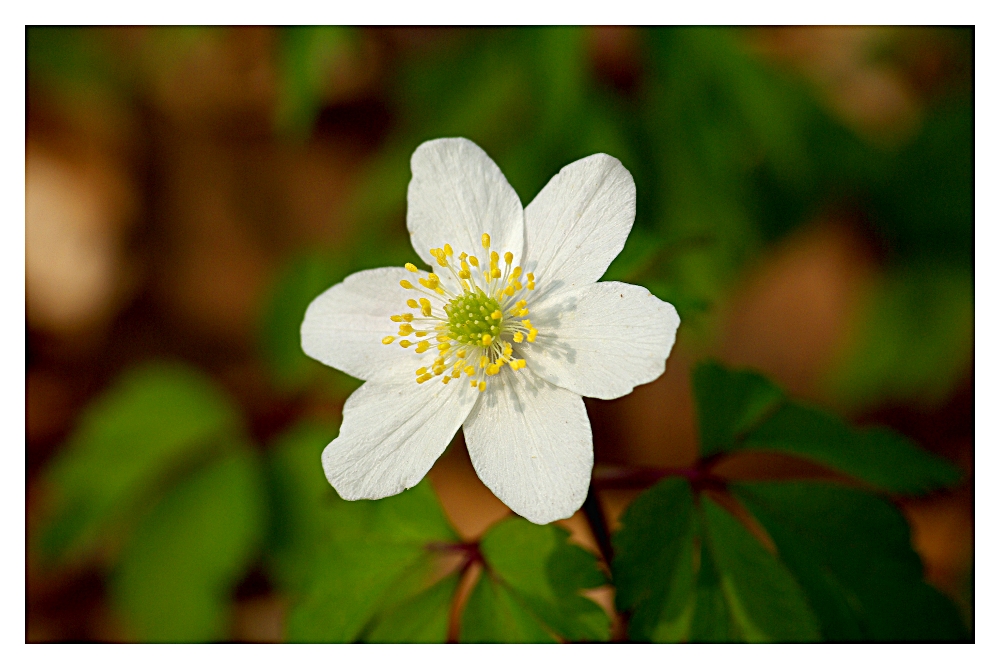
x=308, y=56
x=851, y=552
x=915, y=340
x=422, y=619
x=545, y=574
x=492, y=614
x=302, y=500
x=764, y=601
x=375, y=555
x=153, y=421
x=178, y=569
x=709, y=616
x=878, y=456
x=653, y=566
x=303, y=279
x=730, y=404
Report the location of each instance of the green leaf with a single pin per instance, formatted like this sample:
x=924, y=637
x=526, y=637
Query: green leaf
x=730, y=403
x=709, y=613
x=546, y=574
x=150, y=423
x=653, y=567
x=878, y=456
x=422, y=619
x=851, y=552
x=764, y=601
x=493, y=615
x=373, y=555
x=179, y=567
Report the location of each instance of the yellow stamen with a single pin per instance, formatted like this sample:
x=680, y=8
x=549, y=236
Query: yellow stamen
x=517, y=272
x=423, y=346
x=494, y=257
x=396, y=319
x=495, y=273
x=508, y=257
x=405, y=343
x=425, y=377
x=447, y=250
x=474, y=261
x=410, y=266
x=422, y=370
x=425, y=306
x=518, y=337
x=486, y=241
x=469, y=370
x=496, y=315
x=406, y=284
x=445, y=380
x=532, y=333
x=487, y=340
x=388, y=340
x=482, y=386
x=493, y=370
x=412, y=303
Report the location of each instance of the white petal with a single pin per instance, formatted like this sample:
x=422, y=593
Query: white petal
x=578, y=223
x=392, y=433
x=601, y=340
x=344, y=326
x=530, y=443
x=456, y=194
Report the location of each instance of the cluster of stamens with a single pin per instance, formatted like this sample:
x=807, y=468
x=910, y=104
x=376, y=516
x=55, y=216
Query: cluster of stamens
x=473, y=330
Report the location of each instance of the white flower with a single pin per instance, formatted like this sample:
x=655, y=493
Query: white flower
x=502, y=337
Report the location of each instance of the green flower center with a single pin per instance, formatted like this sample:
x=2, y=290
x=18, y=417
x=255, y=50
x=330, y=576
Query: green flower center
x=474, y=318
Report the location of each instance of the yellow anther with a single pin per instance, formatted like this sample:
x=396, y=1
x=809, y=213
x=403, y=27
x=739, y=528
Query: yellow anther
x=522, y=312
x=517, y=272
x=429, y=285
x=445, y=380
x=405, y=329
x=410, y=266
x=422, y=370
x=388, y=340
x=438, y=371
x=487, y=340
x=493, y=370
x=412, y=303
x=496, y=315
x=518, y=337
x=443, y=338
x=405, y=343
x=527, y=323
x=531, y=276
x=425, y=377
x=482, y=386
x=455, y=374
x=444, y=347
x=422, y=333
x=408, y=318
x=463, y=256
x=406, y=284
x=532, y=333
x=439, y=290
x=396, y=319
x=469, y=370
x=486, y=241
x=495, y=273
x=474, y=261
x=472, y=383
x=447, y=250
x=464, y=274
x=518, y=285
x=508, y=257
x=518, y=364
x=508, y=291
x=531, y=285
x=483, y=361
x=486, y=275
x=425, y=306
x=434, y=277
x=461, y=354
x=423, y=346
x=442, y=260
x=521, y=304
x=494, y=257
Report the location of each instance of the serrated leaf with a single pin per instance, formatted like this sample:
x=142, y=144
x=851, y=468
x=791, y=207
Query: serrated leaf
x=422, y=619
x=493, y=615
x=851, y=552
x=179, y=567
x=653, y=567
x=368, y=555
x=730, y=403
x=152, y=421
x=764, y=601
x=546, y=574
x=878, y=456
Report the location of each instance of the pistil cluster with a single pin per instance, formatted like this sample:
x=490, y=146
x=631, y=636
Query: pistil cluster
x=473, y=330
